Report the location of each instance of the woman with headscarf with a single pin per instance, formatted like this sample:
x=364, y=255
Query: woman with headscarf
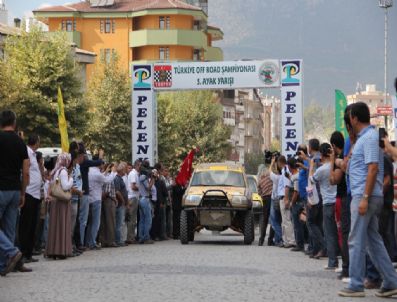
x=265, y=188
x=59, y=243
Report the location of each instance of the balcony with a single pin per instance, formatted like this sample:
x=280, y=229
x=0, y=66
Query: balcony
x=71, y=36
x=193, y=38
x=213, y=54
x=229, y=121
x=74, y=37
x=239, y=108
x=249, y=116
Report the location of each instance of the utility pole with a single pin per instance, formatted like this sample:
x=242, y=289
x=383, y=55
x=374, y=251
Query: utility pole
x=385, y=4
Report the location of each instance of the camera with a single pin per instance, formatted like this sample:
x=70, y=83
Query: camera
x=269, y=155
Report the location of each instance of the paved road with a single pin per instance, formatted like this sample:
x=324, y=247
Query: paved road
x=214, y=268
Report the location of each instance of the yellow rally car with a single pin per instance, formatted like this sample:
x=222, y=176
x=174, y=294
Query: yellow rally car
x=217, y=198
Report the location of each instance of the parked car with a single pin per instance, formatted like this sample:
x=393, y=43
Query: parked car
x=217, y=198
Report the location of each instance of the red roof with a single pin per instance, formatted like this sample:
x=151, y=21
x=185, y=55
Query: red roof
x=120, y=6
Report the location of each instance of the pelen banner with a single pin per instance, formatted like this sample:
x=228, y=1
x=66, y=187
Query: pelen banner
x=291, y=106
x=340, y=106
x=394, y=103
x=143, y=117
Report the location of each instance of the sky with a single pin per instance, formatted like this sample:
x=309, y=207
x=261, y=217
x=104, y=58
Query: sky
x=341, y=42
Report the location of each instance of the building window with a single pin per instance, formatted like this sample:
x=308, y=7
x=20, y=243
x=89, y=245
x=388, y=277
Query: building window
x=69, y=25
x=196, y=25
x=164, y=22
x=164, y=53
x=108, y=26
x=106, y=55
x=196, y=55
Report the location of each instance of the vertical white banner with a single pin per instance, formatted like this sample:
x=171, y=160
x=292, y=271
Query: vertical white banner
x=143, y=139
x=291, y=106
x=394, y=104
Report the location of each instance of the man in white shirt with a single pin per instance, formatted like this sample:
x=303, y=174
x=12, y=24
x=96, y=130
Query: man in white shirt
x=31, y=208
x=133, y=199
x=96, y=180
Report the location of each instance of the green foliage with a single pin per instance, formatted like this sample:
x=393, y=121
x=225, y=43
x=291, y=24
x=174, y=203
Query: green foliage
x=109, y=97
x=319, y=122
x=36, y=64
x=188, y=120
x=275, y=145
x=252, y=162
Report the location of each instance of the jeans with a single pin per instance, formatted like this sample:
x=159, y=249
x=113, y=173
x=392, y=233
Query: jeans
x=145, y=219
x=120, y=221
x=371, y=272
x=275, y=221
x=83, y=217
x=93, y=227
x=299, y=230
x=9, y=201
x=364, y=236
x=74, y=208
x=345, y=225
x=313, y=223
x=331, y=234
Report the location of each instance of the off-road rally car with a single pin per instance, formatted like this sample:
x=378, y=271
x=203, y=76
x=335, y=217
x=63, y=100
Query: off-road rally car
x=217, y=198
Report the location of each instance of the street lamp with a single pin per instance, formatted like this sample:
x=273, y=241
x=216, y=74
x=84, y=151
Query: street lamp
x=385, y=4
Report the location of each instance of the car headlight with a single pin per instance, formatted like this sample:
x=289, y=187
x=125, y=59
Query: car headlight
x=239, y=199
x=256, y=204
x=193, y=199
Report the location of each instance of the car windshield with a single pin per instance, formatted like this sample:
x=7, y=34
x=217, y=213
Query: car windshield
x=218, y=178
x=252, y=184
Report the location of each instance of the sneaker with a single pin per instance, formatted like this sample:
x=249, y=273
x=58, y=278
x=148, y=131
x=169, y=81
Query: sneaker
x=346, y=292
x=148, y=242
x=338, y=270
x=329, y=268
x=12, y=262
x=368, y=284
x=30, y=260
x=297, y=249
x=288, y=246
x=319, y=255
x=384, y=292
x=346, y=280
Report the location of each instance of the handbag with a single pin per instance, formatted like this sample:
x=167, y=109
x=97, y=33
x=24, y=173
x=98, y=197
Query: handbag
x=58, y=193
x=312, y=194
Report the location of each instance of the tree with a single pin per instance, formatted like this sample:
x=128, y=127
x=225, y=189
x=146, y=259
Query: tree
x=319, y=122
x=36, y=64
x=109, y=97
x=252, y=162
x=188, y=120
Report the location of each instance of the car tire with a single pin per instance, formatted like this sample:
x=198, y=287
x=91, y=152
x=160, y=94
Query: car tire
x=190, y=220
x=261, y=224
x=249, y=231
x=184, y=228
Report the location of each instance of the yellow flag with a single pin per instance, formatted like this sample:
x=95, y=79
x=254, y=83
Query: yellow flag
x=63, y=128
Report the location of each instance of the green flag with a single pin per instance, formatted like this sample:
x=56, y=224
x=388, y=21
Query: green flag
x=340, y=106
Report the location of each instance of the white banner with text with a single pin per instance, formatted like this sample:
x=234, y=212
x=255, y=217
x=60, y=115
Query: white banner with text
x=291, y=106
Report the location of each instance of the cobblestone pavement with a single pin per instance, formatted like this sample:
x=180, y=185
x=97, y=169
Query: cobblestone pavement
x=213, y=268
